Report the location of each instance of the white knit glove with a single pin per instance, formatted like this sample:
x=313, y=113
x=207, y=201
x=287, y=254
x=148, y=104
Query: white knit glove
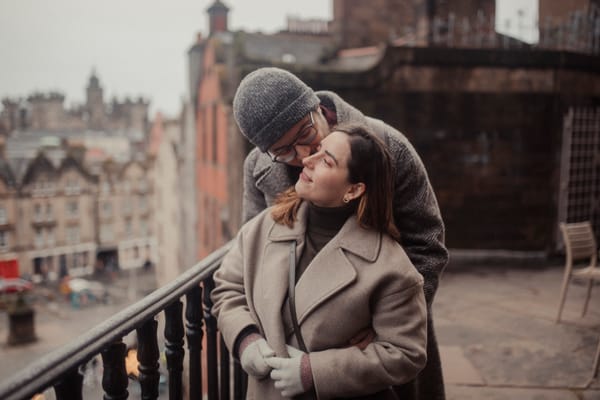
x=286, y=373
x=254, y=356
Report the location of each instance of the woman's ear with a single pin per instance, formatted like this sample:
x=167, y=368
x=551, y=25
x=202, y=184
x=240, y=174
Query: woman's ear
x=355, y=191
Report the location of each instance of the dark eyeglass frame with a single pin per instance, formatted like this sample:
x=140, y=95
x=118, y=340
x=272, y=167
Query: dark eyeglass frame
x=305, y=137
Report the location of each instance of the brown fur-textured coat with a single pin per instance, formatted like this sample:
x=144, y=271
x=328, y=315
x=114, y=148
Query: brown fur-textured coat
x=360, y=279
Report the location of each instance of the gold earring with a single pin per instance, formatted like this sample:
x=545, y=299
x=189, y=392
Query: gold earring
x=346, y=200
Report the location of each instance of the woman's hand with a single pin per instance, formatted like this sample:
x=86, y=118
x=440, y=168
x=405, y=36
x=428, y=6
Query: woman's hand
x=254, y=356
x=292, y=376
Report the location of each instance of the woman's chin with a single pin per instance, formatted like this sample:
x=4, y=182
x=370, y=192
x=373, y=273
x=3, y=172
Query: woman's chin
x=301, y=189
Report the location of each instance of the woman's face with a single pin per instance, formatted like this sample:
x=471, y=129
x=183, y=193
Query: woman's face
x=324, y=178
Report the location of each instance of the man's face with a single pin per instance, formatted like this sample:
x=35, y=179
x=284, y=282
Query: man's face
x=301, y=140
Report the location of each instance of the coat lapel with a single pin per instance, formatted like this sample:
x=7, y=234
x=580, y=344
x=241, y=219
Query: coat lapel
x=331, y=271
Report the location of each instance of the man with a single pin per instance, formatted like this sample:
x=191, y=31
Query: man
x=286, y=120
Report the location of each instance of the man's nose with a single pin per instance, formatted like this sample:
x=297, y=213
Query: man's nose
x=303, y=151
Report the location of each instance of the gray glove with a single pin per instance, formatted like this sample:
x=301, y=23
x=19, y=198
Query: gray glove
x=287, y=374
x=253, y=358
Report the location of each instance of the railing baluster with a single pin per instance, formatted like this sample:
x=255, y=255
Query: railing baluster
x=70, y=386
x=114, y=379
x=211, y=341
x=240, y=381
x=224, y=378
x=239, y=392
x=193, y=324
x=174, y=348
x=147, y=356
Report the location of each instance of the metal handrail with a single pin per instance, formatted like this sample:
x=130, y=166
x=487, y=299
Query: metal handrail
x=47, y=370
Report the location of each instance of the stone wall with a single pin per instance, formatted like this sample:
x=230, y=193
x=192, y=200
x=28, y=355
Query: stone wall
x=487, y=125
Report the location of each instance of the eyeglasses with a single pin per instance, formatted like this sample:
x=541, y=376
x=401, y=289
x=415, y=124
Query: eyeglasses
x=305, y=137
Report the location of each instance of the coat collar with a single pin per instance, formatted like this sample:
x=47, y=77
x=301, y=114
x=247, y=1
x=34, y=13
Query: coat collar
x=352, y=238
x=327, y=274
x=270, y=177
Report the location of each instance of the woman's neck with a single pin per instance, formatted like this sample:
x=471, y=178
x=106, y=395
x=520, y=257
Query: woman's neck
x=329, y=218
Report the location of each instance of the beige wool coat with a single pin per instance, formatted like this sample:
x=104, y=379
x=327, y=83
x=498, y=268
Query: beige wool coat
x=360, y=279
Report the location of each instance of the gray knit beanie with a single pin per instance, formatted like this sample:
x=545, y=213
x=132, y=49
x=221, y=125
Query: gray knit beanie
x=268, y=102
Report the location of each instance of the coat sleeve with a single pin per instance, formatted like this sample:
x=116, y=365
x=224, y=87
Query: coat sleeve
x=417, y=216
x=230, y=305
x=253, y=201
x=396, y=355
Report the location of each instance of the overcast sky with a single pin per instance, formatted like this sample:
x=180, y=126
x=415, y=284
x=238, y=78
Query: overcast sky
x=137, y=47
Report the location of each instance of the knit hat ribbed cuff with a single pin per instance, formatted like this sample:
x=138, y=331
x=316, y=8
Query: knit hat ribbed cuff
x=285, y=120
x=269, y=102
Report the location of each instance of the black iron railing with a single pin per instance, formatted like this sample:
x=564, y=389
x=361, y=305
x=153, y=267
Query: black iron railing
x=61, y=368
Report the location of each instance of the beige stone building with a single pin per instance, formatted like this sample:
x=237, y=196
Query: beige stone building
x=133, y=222
x=56, y=224
x=63, y=220
x=165, y=149
x=8, y=220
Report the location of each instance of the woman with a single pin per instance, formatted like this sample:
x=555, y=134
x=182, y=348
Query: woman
x=333, y=237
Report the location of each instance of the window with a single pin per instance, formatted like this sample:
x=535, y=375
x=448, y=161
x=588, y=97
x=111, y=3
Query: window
x=49, y=216
x=43, y=187
x=3, y=240
x=105, y=190
x=37, y=213
x=72, y=187
x=50, y=238
x=3, y=219
x=39, y=238
x=106, y=233
x=76, y=262
x=143, y=185
x=106, y=209
x=72, y=208
x=128, y=229
x=126, y=187
x=143, y=204
x=215, y=133
x=73, y=234
x=48, y=188
x=143, y=228
x=126, y=207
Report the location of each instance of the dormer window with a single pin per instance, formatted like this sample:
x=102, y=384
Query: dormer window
x=72, y=187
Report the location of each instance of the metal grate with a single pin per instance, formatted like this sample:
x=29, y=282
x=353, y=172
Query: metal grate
x=579, y=198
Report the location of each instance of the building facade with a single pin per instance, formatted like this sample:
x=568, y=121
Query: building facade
x=485, y=114
x=165, y=148
x=62, y=220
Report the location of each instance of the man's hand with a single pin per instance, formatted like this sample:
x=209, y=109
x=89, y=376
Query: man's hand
x=253, y=358
x=363, y=338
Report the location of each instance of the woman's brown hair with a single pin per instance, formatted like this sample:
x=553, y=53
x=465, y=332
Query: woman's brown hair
x=370, y=164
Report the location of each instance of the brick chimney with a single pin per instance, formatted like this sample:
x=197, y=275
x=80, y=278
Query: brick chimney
x=217, y=17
